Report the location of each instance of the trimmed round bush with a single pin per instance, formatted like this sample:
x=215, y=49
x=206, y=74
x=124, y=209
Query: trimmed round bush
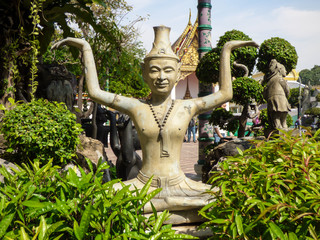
x=208, y=68
x=279, y=49
x=41, y=130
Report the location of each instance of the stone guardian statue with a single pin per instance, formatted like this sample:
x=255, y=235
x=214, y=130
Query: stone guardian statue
x=161, y=122
x=276, y=92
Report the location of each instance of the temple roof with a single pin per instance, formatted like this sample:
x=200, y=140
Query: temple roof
x=186, y=48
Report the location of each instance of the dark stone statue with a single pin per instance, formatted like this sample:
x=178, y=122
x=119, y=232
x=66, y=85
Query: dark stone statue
x=56, y=83
x=124, y=141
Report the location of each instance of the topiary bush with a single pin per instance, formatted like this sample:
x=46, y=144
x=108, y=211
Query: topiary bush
x=208, y=68
x=279, y=49
x=243, y=55
x=41, y=203
x=271, y=191
x=41, y=130
x=246, y=90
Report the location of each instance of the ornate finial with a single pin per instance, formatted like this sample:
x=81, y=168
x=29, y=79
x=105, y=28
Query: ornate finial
x=189, y=17
x=161, y=45
x=187, y=94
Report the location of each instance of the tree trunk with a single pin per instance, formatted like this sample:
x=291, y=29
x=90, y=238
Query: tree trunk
x=8, y=74
x=243, y=121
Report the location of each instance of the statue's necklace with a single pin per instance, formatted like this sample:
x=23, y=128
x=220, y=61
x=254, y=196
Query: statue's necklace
x=163, y=137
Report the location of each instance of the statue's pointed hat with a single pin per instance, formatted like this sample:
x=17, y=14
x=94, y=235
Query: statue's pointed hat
x=161, y=45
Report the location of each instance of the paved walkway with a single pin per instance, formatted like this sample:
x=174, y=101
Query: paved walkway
x=189, y=157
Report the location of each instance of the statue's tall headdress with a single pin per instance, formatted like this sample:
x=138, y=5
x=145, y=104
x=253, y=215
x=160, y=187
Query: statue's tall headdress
x=161, y=45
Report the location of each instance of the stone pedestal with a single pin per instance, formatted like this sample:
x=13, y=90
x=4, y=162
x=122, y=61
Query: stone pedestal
x=182, y=217
x=193, y=230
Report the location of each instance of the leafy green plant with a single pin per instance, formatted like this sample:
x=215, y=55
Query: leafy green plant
x=41, y=130
x=208, y=68
x=294, y=97
x=42, y=203
x=279, y=49
x=224, y=119
x=271, y=191
x=313, y=111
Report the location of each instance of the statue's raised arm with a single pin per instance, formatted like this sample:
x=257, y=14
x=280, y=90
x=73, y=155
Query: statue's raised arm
x=225, y=79
x=120, y=103
x=161, y=122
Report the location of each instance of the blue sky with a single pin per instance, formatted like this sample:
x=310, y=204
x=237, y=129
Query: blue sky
x=297, y=21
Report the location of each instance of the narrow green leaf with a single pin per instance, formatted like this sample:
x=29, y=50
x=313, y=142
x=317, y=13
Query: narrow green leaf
x=76, y=230
x=85, y=220
x=35, y=204
x=293, y=236
x=43, y=228
x=313, y=232
x=149, y=197
x=219, y=221
x=52, y=229
x=144, y=190
x=23, y=234
x=159, y=222
x=277, y=231
x=5, y=223
x=156, y=236
x=238, y=220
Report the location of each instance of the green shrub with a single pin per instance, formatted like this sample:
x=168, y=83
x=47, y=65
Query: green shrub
x=279, y=49
x=208, y=68
x=41, y=130
x=271, y=191
x=224, y=119
x=41, y=202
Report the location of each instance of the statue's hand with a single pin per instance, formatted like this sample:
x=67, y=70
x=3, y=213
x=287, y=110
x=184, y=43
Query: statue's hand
x=237, y=44
x=75, y=42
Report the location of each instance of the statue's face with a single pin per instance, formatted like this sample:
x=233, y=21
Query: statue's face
x=161, y=74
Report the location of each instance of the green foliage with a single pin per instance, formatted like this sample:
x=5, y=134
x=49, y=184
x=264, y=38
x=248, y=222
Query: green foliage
x=244, y=55
x=41, y=130
x=271, y=191
x=294, y=97
x=224, y=119
x=289, y=120
x=312, y=76
x=279, y=49
x=62, y=56
x=246, y=90
x=41, y=203
x=118, y=65
x=208, y=68
x=314, y=112
x=318, y=97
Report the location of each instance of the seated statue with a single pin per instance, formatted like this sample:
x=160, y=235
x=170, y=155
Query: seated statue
x=276, y=92
x=161, y=122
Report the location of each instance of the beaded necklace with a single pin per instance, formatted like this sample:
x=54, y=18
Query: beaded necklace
x=164, y=152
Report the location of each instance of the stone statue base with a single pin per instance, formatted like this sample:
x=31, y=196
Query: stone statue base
x=182, y=196
x=182, y=217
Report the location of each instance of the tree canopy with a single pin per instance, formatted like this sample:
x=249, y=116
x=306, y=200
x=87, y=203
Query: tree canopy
x=312, y=75
x=208, y=68
x=279, y=49
x=27, y=28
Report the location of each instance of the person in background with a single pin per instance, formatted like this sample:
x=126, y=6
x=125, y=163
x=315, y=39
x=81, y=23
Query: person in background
x=297, y=124
x=192, y=129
